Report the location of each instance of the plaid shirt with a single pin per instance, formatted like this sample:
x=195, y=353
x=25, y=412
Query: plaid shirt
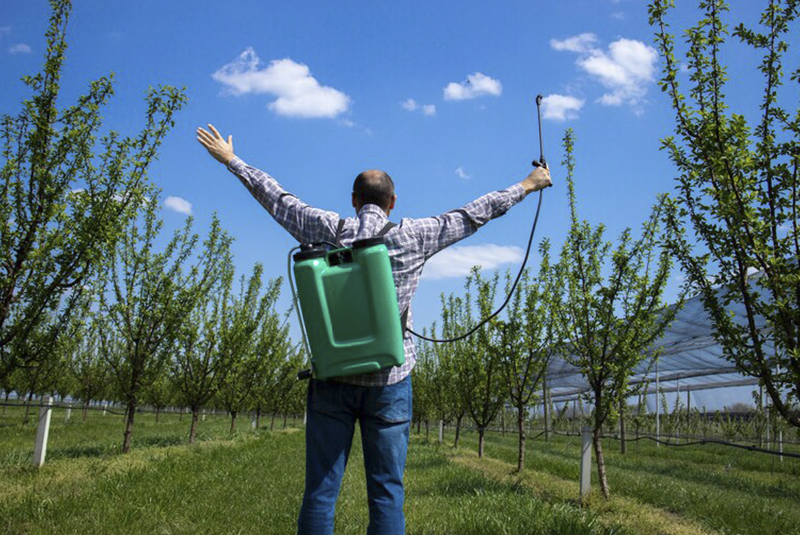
x=410, y=243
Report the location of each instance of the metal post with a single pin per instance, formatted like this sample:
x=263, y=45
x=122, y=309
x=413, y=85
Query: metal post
x=766, y=415
x=677, y=410
x=575, y=410
x=586, y=461
x=546, y=411
x=658, y=407
x=43, y=431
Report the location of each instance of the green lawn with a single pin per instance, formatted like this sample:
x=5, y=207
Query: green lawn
x=251, y=483
x=722, y=489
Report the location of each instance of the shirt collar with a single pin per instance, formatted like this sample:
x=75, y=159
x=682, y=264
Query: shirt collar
x=372, y=209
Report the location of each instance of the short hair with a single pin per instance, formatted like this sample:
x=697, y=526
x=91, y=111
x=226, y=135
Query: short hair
x=374, y=187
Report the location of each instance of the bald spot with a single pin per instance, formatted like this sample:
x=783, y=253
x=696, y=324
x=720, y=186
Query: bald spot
x=373, y=186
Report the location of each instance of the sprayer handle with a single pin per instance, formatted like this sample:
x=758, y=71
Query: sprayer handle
x=540, y=162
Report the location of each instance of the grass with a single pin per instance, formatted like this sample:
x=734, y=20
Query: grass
x=716, y=488
x=251, y=483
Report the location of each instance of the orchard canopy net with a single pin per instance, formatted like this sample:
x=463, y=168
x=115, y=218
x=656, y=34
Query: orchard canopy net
x=691, y=360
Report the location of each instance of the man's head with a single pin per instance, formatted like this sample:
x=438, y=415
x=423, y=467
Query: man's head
x=374, y=187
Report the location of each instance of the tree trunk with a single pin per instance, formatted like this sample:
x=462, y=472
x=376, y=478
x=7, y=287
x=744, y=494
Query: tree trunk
x=258, y=417
x=180, y=415
x=481, y=433
x=285, y=416
x=6, y=403
x=503, y=422
x=601, y=463
x=272, y=421
x=427, y=429
x=521, y=431
x=458, y=430
x=131, y=412
x=419, y=425
x=85, y=409
x=193, y=428
x=158, y=414
x=233, y=422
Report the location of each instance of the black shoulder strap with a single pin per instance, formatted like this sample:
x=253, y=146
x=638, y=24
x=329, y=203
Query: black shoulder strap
x=338, y=239
x=386, y=228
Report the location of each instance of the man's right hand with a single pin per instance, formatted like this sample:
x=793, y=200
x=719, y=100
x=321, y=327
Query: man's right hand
x=537, y=180
x=221, y=150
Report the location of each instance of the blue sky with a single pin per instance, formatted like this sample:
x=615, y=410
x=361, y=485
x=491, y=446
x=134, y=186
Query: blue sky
x=440, y=94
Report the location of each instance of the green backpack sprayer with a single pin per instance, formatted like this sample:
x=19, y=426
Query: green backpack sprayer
x=348, y=295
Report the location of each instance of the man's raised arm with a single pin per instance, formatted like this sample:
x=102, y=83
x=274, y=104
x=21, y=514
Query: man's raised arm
x=306, y=223
x=444, y=230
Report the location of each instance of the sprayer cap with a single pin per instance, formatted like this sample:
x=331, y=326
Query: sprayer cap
x=315, y=252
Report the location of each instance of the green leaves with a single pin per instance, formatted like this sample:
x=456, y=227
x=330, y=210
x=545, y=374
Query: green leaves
x=64, y=201
x=738, y=189
x=611, y=311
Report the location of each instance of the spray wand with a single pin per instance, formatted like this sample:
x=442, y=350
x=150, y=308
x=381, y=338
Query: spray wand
x=541, y=162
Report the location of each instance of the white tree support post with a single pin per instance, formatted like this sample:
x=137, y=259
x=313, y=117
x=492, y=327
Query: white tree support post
x=105, y=406
x=43, y=431
x=780, y=444
x=586, y=462
x=441, y=431
x=253, y=421
x=204, y=415
x=68, y=414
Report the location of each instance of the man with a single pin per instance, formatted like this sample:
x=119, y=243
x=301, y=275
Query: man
x=380, y=401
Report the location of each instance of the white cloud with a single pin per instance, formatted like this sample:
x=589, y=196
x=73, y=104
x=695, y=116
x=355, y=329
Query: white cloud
x=20, y=48
x=178, y=204
x=619, y=15
x=561, y=107
x=476, y=85
x=4, y=30
x=298, y=93
x=625, y=69
x=583, y=42
x=410, y=104
x=457, y=261
x=462, y=173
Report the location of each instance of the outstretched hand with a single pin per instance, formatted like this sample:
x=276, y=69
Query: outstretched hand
x=538, y=179
x=215, y=144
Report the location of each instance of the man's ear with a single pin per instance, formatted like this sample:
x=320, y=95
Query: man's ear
x=391, y=204
x=354, y=201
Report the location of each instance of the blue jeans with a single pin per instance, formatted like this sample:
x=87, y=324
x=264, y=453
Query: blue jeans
x=384, y=414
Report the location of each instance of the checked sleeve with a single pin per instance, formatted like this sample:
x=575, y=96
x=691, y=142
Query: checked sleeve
x=436, y=233
x=305, y=223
